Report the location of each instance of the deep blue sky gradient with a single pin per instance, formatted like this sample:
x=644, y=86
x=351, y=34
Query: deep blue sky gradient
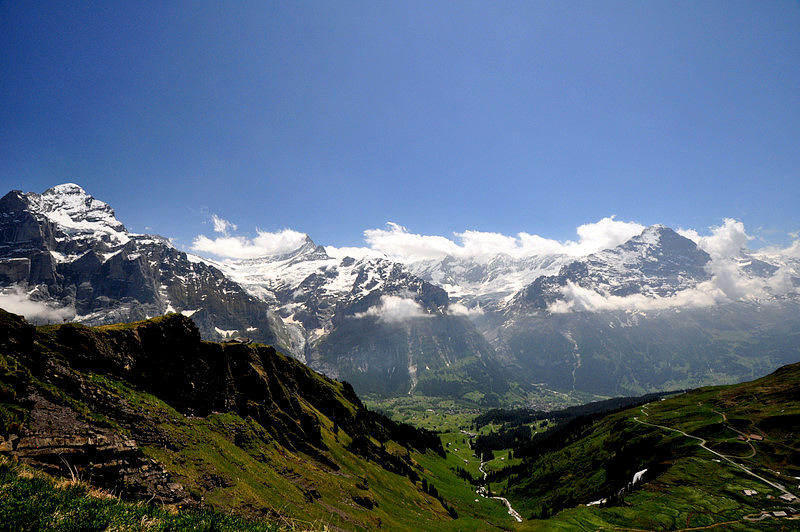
x=336, y=117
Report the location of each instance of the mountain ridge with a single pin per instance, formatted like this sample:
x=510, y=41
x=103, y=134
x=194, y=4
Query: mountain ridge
x=495, y=323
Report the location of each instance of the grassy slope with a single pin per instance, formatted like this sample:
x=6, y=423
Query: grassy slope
x=35, y=501
x=696, y=488
x=235, y=465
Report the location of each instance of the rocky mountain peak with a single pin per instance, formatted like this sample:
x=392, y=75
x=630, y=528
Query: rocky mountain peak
x=73, y=210
x=656, y=243
x=660, y=235
x=656, y=263
x=65, y=189
x=310, y=250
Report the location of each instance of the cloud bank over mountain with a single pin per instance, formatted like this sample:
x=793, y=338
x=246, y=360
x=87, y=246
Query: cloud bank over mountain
x=15, y=299
x=396, y=242
x=726, y=244
x=394, y=309
x=241, y=247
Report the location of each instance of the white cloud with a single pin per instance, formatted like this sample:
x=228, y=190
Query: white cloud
x=792, y=251
x=603, y=234
x=393, y=309
x=357, y=253
x=17, y=301
x=727, y=284
x=457, y=309
x=240, y=247
x=222, y=226
x=725, y=241
x=396, y=242
x=577, y=298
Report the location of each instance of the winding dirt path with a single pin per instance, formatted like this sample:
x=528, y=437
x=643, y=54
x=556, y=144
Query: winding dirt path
x=778, y=487
x=746, y=436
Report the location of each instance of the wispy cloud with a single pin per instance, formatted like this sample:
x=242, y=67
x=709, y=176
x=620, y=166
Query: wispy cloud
x=354, y=252
x=16, y=300
x=725, y=286
x=725, y=241
x=578, y=298
x=457, y=309
x=394, y=309
x=221, y=225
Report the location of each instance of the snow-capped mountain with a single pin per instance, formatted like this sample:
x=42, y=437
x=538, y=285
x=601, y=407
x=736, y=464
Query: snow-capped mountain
x=486, y=283
x=68, y=249
x=369, y=320
x=308, y=286
x=657, y=263
x=654, y=312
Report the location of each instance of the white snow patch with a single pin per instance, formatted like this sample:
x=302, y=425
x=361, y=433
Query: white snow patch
x=225, y=333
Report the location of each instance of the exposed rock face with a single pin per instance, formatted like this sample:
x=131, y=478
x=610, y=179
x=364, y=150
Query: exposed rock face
x=65, y=246
x=55, y=437
x=58, y=442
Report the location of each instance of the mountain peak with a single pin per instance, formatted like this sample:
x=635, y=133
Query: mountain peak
x=308, y=250
x=657, y=228
x=655, y=232
x=74, y=211
x=65, y=188
x=659, y=236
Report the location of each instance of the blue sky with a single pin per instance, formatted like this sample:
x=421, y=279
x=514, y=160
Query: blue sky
x=334, y=118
